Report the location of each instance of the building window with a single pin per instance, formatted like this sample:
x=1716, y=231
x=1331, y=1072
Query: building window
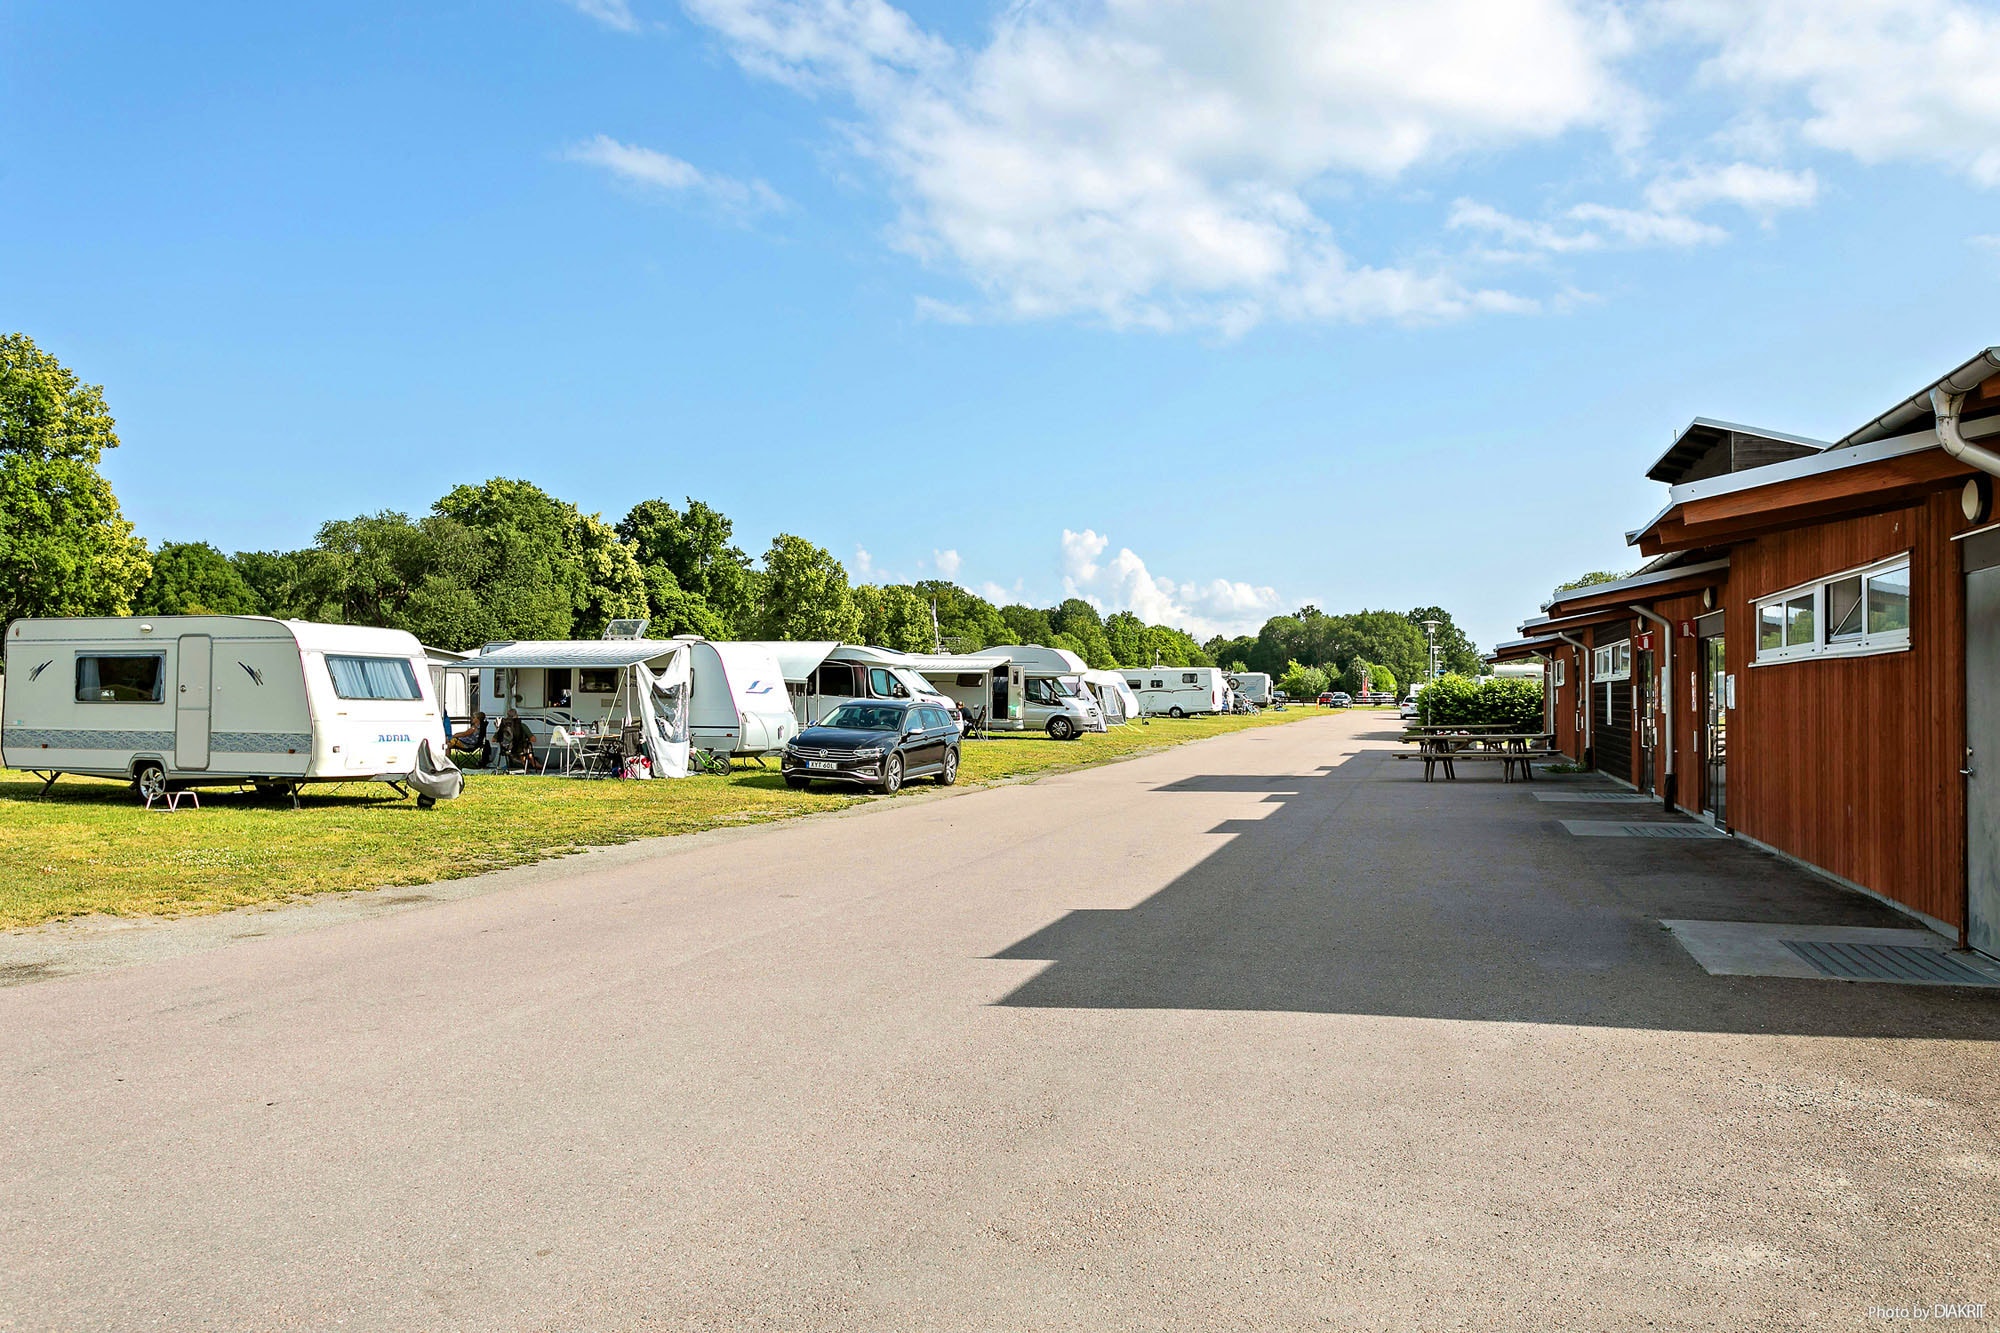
x=1861, y=611
x=1560, y=679
x=120, y=680
x=1613, y=661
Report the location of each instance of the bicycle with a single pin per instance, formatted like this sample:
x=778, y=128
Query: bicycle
x=708, y=763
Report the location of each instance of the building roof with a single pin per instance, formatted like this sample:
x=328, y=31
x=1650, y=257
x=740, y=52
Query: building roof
x=1914, y=413
x=1641, y=584
x=1702, y=436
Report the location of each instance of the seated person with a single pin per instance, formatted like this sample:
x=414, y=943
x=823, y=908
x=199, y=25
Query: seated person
x=471, y=741
x=516, y=742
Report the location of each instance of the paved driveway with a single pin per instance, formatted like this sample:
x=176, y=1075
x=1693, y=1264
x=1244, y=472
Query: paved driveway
x=1257, y=1033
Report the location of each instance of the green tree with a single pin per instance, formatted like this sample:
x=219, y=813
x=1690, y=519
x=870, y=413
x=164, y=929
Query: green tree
x=1126, y=635
x=711, y=577
x=1301, y=681
x=894, y=616
x=805, y=593
x=1027, y=625
x=1593, y=578
x=194, y=579
x=65, y=549
x=1456, y=652
x=1078, y=620
x=292, y=585
x=967, y=621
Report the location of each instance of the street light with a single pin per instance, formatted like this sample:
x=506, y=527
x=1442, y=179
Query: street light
x=1430, y=638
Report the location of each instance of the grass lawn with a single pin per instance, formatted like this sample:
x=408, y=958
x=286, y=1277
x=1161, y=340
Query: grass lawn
x=89, y=848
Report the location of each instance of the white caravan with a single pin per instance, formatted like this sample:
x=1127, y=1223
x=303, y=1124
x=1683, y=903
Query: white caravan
x=737, y=703
x=1254, y=686
x=1041, y=692
x=1114, y=697
x=184, y=701
x=1180, y=691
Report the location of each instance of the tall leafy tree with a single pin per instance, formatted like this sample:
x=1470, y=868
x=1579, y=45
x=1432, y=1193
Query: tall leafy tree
x=710, y=581
x=967, y=621
x=65, y=548
x=1027, y=625
x=1456, y=652
x=894, y=616
x=805, y=593
x=192, y=579
x=1078, y=621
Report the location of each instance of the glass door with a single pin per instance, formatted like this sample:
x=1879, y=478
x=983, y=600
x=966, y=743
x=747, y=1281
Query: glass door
x=1715, y=731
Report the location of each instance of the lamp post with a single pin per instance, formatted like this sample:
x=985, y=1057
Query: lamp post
x=1431, y=654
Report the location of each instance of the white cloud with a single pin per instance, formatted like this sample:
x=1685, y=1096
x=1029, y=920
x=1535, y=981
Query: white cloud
x=1124, y=583
x=1880, y=80
x=611, y=13
x=999, y=595
x=650, y=169
x=947, y=563
x=1154, y=165
x=1467, y=215
x=1647, y=227
x=1755, y=189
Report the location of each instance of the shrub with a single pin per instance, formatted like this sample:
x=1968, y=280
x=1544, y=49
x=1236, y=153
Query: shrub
x=1461, y=701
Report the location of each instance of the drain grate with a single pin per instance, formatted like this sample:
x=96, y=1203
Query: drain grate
x=1596, y=798
x=1604, y=828
x=1887, y=962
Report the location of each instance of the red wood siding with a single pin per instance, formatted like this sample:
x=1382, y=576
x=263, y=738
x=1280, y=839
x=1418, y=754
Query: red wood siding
x=1852, y=764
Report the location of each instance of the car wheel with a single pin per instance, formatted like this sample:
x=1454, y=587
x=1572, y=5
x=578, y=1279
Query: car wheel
x=149, y=782
x=892, y=775
x=1061, y=728
x=797, y=781
x=949, y=773
x=1175, y=711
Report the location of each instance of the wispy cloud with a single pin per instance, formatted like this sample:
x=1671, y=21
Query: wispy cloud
x=611, y=13
x=650, y=169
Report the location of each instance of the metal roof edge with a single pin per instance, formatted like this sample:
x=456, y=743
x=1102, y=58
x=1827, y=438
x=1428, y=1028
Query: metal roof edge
x=1980, y=368
x=1636, y=581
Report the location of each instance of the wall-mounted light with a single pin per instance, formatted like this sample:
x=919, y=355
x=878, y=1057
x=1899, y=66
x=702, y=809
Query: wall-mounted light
x=1976, y=500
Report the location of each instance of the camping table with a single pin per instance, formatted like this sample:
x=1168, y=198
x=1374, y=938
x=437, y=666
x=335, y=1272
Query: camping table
x=600, y=755
x=1440, y=746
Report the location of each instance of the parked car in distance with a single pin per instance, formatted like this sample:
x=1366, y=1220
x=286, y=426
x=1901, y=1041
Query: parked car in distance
x=1342, y=699
x=876, y=744
x=1408, y=708
x=1326, y=699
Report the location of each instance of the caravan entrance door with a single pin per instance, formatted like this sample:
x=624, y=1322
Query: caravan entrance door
x=191, y=703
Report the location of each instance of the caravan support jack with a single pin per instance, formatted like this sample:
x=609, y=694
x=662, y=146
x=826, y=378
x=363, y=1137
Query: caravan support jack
x=47, y=783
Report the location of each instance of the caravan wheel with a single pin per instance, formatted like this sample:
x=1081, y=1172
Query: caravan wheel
x=149, y=782
x=1175, y=711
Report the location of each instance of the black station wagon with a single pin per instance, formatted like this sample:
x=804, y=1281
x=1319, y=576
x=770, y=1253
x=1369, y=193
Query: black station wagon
x=876, y=744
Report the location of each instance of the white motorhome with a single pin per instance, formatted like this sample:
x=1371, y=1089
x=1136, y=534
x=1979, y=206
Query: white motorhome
x=1115, y=700
x=184, y=701
x=823, y=674
x=1041, y=692
x=1180, y=691
x=1254, y=686
x=737, y=704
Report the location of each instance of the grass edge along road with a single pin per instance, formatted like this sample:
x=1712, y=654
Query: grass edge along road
x=90, y=849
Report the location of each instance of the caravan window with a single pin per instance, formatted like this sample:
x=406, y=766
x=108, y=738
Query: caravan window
x=1159, y=684
x=837, y=679
x=1189, y=678
x=120, y=680
x=1136, y=684
x=597, y=680
x=373, y=678
x=970, y=680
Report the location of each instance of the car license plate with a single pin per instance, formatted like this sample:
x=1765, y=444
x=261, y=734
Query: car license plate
x=821, y=763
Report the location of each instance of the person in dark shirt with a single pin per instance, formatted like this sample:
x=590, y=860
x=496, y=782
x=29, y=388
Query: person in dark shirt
x=471, y=741
x=516, y=742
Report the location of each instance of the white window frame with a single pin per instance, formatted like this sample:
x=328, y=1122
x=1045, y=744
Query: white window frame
x=1561, y=681
x=1864, y=644
x=1612, y=661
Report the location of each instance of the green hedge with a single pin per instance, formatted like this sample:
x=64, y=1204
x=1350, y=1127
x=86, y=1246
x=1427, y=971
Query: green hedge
x=1459, y=701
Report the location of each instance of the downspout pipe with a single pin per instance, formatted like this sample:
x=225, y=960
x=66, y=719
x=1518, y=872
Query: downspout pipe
x=1667, y=783
x=1946, y=404
x=1582, y=690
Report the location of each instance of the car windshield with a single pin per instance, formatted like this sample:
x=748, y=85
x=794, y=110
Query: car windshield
x=865, y=717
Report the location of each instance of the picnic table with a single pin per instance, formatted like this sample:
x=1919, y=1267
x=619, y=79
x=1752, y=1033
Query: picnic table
x=1443, y=747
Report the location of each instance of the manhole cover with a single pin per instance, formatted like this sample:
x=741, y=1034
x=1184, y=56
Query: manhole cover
x=1604, y=828
x=1887, y=962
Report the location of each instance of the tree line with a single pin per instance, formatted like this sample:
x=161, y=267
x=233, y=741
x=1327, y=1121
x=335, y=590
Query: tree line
x=504, y=559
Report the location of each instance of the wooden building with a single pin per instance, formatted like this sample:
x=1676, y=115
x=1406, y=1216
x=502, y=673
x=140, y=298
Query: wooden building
x=1812, y=657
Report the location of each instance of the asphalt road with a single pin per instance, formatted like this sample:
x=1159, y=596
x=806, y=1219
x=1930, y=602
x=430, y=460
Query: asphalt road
x=1256, y=1033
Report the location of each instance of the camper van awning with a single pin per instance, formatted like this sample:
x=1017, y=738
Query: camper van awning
x=939, y=663
x=580, y=653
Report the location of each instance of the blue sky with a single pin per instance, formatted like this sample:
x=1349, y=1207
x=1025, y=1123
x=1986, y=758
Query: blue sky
x=1206, y=308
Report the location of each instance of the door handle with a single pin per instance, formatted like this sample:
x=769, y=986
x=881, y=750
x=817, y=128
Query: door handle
x=1967, y=772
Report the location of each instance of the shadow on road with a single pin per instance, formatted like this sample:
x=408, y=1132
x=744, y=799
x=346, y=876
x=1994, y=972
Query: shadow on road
x=1365, y=891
